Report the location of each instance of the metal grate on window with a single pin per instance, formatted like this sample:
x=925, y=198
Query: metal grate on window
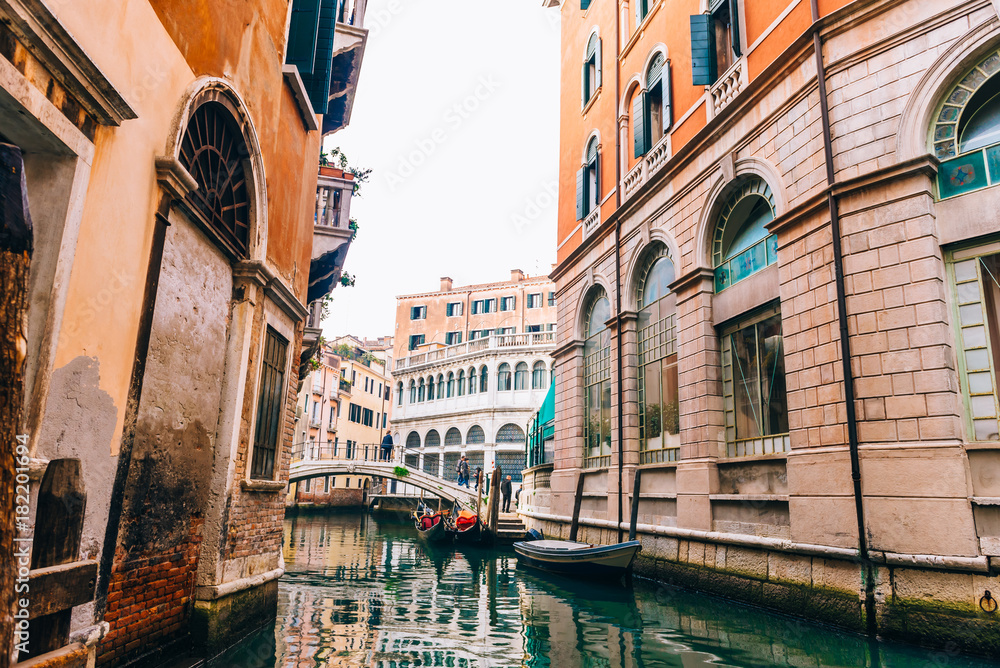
x=510, y=464
x=476, y=435
x=451, y=460
x=413, y=440
x=433, y=439
x=431, y=462
x=510, y=433
x=270, y=401
x=453, y=437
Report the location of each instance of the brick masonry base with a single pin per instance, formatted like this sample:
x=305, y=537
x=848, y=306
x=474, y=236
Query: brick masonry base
x=933, y=608
x=219, y=624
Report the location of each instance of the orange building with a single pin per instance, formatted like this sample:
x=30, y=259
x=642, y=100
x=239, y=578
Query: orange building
x=777, y=305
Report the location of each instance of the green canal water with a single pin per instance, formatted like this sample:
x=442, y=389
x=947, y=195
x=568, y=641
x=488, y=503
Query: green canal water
x=358, y=592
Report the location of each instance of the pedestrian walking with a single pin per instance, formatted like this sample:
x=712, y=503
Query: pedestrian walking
x=463, y=472
x=386, y=453
x=517, y=498
x=458, y=470
x=505, y=488
x=479, y=475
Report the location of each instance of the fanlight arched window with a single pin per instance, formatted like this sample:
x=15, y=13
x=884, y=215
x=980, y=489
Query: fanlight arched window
x=652, y=109
x=591, y=76
x=461, y=382
x=430, y=388
x=597, y=379
x=966, y=131
x=484, y=379
x=214, y=152
x=453, y=436
x=440, y=384
x=741, y=244
x=472, y=380
x=657, y=329
x=503, y=377
x=399, y=394
x=476, y=435
x=451, y=384
x=521, y=376
x=433, y=439
x=413, y=392
x=539, y=379
x=421, y=395
x=510, y=433
x=413, y=440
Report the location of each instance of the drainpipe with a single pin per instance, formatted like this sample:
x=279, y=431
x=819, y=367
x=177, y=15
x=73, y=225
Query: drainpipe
x=845, y=344
x=618, y=269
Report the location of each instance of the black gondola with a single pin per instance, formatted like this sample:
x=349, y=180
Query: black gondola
x=431, y=528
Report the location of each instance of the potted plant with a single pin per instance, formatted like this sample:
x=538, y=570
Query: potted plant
x=346, y=280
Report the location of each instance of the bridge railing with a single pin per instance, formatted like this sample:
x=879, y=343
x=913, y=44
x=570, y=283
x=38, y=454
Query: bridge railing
x=352, y=452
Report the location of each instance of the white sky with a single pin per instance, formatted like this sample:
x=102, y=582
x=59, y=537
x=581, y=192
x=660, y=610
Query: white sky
x=457, y=113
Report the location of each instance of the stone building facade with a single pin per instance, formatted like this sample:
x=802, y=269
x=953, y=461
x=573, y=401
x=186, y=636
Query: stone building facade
x=472, y=364
x=776, y=292
x=170, y=154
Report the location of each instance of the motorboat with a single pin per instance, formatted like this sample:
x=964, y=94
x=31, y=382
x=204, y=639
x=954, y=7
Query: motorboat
x=568, y=557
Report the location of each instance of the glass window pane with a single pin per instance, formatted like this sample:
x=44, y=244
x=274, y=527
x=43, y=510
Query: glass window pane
x=670, y=401
x=980, y=383
x=966, y=270
x=983, y=406
x=606, y=418
x=747, y=382
x=977, y=360
x=775, y=408
x=986, y=430
x=961, y=175
x=971, y=314
x=969, y=292
x=974, y=337
x=652, y=413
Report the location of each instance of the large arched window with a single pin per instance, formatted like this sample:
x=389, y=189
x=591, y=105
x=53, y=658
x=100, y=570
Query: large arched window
x=472, y=380
x=433, y=439
x=413, y=440
x=440, y=384
x=413, y=392
x=510, y=433
x=399, y=393
x=588, y=181
x=591, y=78
x=461, y=382
x=451, y=384
x=741, y=244
x=503, y=378
x=652, y=110
x=539, y=379
x=453, y=436
x=421, y=394
x=966, y=131
x=597, y=379
x=476, y=435
x=658, y=398
x=430, y=388
x=521, y=376
x=484, y=379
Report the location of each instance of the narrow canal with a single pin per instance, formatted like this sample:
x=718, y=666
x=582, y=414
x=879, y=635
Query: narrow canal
x=358, y=592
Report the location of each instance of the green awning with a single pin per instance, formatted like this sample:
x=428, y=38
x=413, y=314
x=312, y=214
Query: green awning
x=547, y=411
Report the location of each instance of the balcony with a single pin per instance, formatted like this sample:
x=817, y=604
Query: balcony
x=730, y=84
x=650, y=163
x=332, y=233
x=494, y=342
x=349, y=41
x=345, y=386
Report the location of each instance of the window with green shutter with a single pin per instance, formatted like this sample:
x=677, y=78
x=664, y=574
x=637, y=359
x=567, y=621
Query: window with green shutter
x=703, y=66
x=303, y=30
x=591, y=75
x=640, y=125
x=310, y=47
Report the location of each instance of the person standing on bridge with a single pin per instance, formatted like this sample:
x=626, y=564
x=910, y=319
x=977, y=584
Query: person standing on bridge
x=505, y=488
x=386, y=448
x=479, y=475
x=463, y=472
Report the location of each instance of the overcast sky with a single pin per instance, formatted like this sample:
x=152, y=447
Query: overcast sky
x=457, y=114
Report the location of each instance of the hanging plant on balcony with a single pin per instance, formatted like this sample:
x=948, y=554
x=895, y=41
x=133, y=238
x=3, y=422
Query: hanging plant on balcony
x=359, y=174
x=347, y=280
x=353, y=225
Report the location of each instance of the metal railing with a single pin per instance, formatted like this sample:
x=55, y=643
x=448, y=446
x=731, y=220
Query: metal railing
x=492, y=342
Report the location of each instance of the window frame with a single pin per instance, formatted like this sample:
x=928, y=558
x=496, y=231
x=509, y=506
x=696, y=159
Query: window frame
x=265, y=458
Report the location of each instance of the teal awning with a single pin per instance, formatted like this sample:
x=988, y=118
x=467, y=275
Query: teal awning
x=547, y=411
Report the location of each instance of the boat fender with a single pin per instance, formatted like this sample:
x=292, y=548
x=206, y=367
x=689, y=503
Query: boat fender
x=535, y=534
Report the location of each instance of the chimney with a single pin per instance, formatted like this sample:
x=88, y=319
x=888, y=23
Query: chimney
x=445, y=284
x=516, y=275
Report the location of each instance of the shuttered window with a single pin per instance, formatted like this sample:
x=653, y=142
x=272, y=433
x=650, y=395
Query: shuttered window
x=590, y=79
x=302, y=33
x=270, y=399
x=310, y=47
x=703, y=65
x=640, y=124
x=588, y=182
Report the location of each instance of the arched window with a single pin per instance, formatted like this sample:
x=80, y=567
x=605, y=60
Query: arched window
x=413, y=440
x=503, y=377
x=430, y=388
x=433, y=439
x=440, y=384
x=591, y=79
x=652, y=109
x=476, y=435
x=451, y=384
x=413, y=392
x=521, y=376
x=421, y=395
x=484, y=379
x=588, y=181
x=597, y=380
x=472, y=380
x=453, y=437
x=510, y=433
x=742, y=245
x=211, y=140
x=539, y=379
x=461, y=382
x=659, y=430
x=399, y=393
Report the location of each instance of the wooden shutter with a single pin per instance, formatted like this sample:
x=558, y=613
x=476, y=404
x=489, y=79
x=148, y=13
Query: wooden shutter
x=703, y=65
x=639, y=129
x=597, y=179
x=734, y=26
x=584, y=93
x=668, y=98
x=580, y=193
x=597, y=66
x=302, y=32
x=318, y=82
x=584, y=4
x=640, y=12
x=413, y=313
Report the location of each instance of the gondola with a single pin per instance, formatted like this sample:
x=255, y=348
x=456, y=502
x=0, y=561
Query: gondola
x=578, y=559
x=431, y=528
x=468, y=528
